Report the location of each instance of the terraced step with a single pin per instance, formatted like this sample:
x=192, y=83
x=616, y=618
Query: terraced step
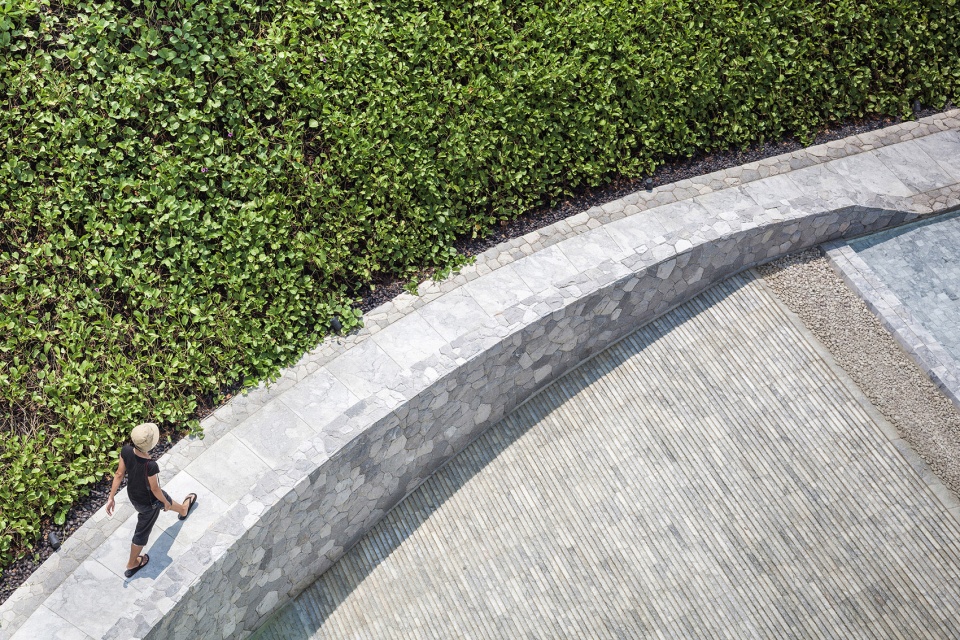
x=711, y=476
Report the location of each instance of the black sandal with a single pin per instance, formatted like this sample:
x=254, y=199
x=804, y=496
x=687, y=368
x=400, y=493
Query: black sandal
x=144, y=561
x=193, y=503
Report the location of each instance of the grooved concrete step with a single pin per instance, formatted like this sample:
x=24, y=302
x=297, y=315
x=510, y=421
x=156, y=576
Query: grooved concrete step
x=711, y=476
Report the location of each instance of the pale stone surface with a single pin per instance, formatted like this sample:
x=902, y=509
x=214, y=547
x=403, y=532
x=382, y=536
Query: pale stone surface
x=824, y=182
x=210, y=508
x=320, y=398
x=337, y=484
x=773, y=192
x=915, y=167
x=410, y=340
x=910, y=278
x=945, y=149
x=549, y=267
x=501, y=289
x=870, y=176
x=455, y=314
x=272, y=432
x=365, y=369
x=93, y=598
x=590, y=249
x=50, y=626
x=230, y=470
x=677, y=217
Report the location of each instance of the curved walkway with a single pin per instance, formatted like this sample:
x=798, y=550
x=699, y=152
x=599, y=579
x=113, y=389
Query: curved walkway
x=714, y=475
x=291, y=475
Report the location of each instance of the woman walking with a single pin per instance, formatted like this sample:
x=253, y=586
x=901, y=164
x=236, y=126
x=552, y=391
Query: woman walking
x=143, y=489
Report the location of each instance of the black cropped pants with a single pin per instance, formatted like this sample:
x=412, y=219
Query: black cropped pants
x=146, y=518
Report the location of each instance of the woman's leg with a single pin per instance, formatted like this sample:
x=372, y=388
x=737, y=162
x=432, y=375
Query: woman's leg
x=179, y=507
x=145, y=522
x=134, y=560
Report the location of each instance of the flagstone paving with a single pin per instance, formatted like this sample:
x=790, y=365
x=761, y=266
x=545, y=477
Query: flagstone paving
x=921, y=264
x=713, y=475
x=910, y=278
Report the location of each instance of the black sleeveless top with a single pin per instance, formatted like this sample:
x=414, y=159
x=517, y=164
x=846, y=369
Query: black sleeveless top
x=138, y=470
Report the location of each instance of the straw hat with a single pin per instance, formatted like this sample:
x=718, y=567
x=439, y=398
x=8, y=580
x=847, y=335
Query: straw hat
x=145, y=436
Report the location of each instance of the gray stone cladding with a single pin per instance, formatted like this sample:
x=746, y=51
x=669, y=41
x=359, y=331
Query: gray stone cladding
x=293, y=473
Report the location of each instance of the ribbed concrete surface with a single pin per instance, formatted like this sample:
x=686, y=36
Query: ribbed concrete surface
x=709, y=477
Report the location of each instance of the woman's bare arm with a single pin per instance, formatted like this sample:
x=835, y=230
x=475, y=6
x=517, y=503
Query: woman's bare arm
x=117, y=478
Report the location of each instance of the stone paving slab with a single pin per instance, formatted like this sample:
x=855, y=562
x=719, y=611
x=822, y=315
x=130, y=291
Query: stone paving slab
x=920, y=264
x=714, y=475
x=438, y=393
x=910, y=278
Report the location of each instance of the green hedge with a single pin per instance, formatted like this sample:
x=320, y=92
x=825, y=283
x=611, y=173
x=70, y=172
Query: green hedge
x=189, y=190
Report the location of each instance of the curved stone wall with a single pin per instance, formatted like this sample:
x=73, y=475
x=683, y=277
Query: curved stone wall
x=298, y=471
x=333, y=504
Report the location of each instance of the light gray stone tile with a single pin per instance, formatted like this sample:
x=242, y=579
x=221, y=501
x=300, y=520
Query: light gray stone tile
x=455, y=314
x=545, y=269
x=944, y=148
x=228, y=469
x=868, y=174
x=914, y=167
x=44, y=624
x=635, y=234
x=92, y=598
x=410, y=340
x=588, y=250
x=687, y=215
x=274, y=432
x=183, y=533
x=319, y=398
x=501, y=289
x=772, y=192
x=824, y=182
x=729, y=204
x=366, y=368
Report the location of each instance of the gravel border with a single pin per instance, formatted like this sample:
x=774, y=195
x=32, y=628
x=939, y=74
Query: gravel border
x=925, y=418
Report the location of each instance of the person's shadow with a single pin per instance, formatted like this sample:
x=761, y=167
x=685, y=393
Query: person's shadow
x=159, y=553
